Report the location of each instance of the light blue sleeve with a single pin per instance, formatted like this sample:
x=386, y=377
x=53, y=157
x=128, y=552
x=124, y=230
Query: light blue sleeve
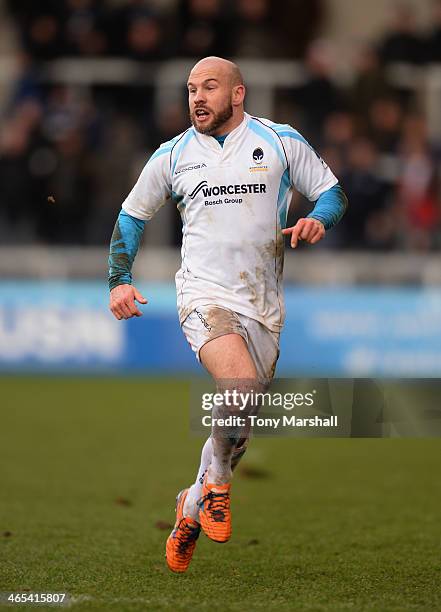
x=330, y=207
x=124, y=245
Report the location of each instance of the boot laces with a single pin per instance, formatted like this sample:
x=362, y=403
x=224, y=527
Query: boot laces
x=185, y=535
x=218, y=504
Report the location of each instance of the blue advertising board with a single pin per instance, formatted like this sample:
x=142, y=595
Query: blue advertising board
x=347, y=332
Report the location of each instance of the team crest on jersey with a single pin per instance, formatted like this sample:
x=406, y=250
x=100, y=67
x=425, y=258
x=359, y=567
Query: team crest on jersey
x=258, y=156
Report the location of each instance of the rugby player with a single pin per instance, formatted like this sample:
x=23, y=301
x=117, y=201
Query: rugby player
x=231, y=177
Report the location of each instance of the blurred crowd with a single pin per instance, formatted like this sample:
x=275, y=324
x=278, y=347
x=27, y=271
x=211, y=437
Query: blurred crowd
x=69, y=154
x=162, y=29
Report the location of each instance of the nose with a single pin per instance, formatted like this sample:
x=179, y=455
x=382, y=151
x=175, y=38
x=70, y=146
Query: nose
x=199, y=96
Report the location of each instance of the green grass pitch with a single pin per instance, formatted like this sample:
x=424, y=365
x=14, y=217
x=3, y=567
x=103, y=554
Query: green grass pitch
x=89, y=469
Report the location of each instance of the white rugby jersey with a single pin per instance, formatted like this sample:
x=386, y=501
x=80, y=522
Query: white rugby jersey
x=234, y=202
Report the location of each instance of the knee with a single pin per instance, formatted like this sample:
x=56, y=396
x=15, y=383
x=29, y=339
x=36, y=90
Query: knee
x=241, y=397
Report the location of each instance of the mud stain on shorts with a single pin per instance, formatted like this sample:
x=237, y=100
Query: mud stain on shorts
x=272, y=369
x=219, y=322
x=184, y=312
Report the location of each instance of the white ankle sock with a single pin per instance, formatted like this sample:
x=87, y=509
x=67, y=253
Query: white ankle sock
x=195, y=491
x=218, y=477
x=219, y=471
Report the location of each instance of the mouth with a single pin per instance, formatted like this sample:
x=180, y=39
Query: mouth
x=201, y=114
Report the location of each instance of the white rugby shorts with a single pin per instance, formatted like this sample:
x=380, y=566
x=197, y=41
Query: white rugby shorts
x=210, y=321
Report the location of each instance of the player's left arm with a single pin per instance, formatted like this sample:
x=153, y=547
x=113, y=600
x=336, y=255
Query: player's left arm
x=327, y=212
x=311, y=176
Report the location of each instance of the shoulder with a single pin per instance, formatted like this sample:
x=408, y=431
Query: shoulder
x=282, y=130
x=165, y=150
x=264, y=129
x=262, y=124
x=284, y=133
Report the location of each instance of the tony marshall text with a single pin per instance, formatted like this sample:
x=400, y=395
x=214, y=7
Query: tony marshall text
x=273, y=422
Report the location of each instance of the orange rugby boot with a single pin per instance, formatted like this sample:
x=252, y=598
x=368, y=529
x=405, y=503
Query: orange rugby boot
x=214, y=511
x=182, y=540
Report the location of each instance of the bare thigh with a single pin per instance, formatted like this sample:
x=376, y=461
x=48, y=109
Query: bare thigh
x=228, y=357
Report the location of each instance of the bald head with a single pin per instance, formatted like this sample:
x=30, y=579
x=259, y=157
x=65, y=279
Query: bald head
x=215, y=96
x=219, y=65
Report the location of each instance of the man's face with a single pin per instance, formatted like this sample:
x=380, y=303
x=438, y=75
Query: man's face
x=209, y=100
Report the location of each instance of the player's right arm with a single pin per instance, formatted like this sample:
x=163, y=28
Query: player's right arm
x=148, y=195
x=124, y=245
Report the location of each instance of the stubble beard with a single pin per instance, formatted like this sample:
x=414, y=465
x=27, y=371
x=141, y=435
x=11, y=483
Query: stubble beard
x=219, y=119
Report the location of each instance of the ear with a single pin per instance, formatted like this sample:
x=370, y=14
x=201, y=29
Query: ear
x=238, y=95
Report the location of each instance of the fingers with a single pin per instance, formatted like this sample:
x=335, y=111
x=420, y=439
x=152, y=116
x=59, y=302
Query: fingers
x=116, y=313
x=126, y=310
x=138, y=297
x=317, y=232
x=119, y=310
x=310, y=230
x=129, y=307
x=316, y=237
x=294, y=231
x=122, y=302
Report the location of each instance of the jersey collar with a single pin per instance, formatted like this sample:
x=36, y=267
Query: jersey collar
x=233, y=136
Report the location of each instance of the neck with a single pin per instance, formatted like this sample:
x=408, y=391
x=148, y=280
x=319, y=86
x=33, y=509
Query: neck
x=231, y=124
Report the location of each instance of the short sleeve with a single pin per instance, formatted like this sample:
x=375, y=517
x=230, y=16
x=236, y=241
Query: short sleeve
x=309, y=174
x=152, y=188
